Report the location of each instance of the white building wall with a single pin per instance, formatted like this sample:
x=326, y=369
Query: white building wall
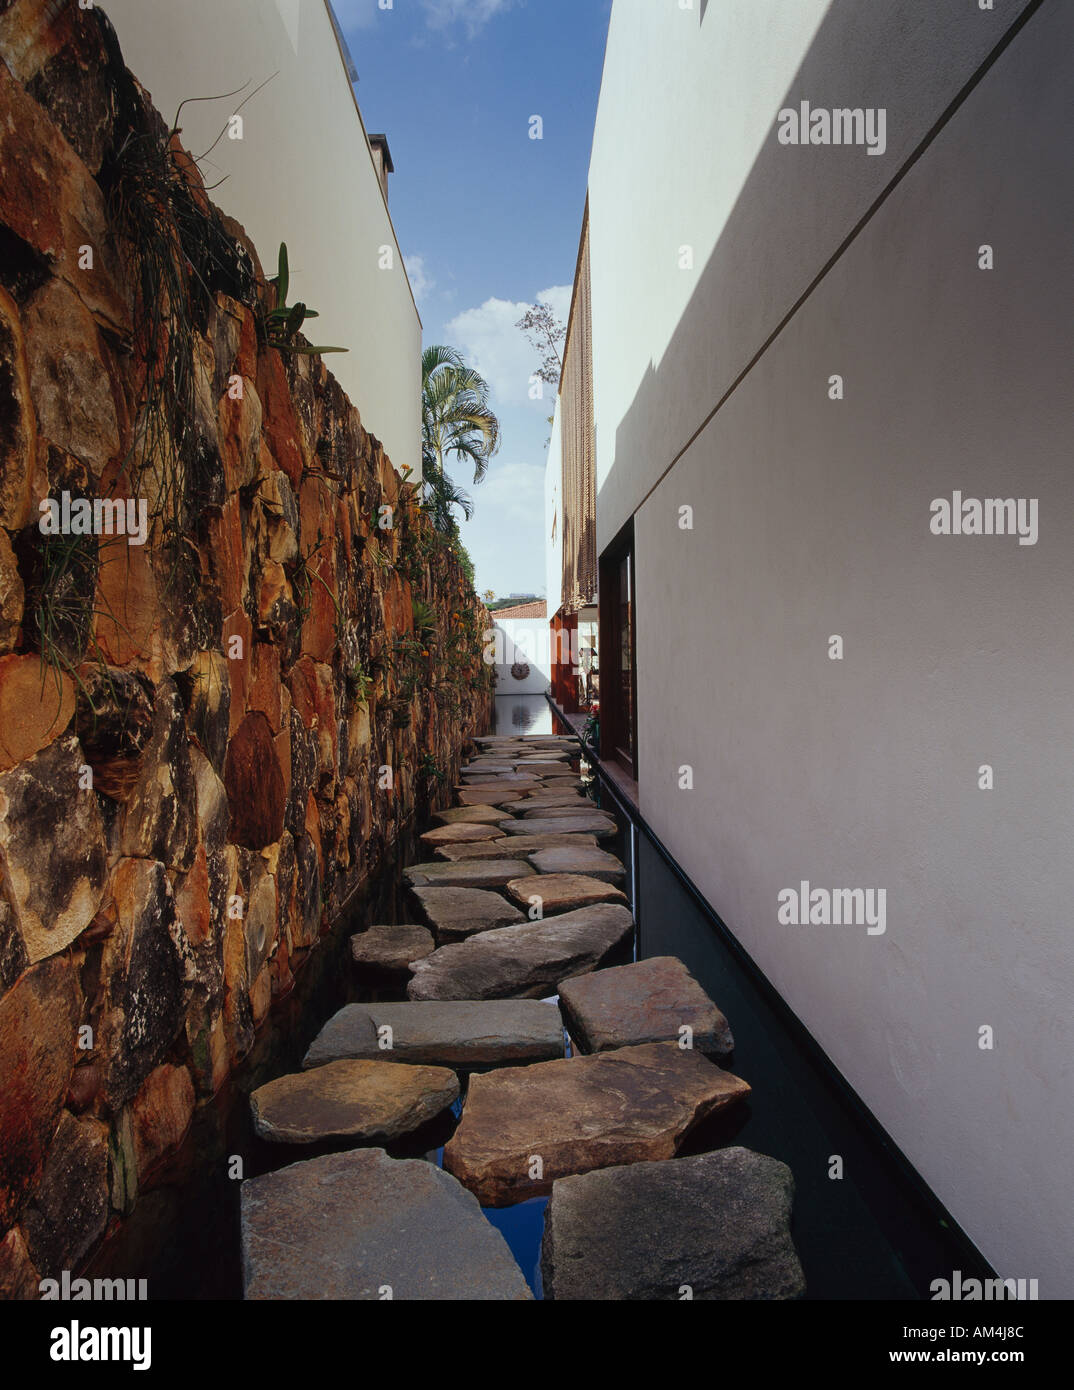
x=811, y=518
x=553, y=516
x=691, y=97
x=303, y=174
x=526, y=641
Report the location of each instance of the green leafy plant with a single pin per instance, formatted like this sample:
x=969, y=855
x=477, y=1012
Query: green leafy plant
x=429, y=771
x=455, y=419
x=283, y=323
x=361, y=684
x=379, y=558
x=424, y=618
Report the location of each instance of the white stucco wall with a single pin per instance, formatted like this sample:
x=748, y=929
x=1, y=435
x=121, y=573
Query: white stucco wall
x=693, y=101
x=303, y=174
x=811, y=518
x=525, y=640
x=553, y=516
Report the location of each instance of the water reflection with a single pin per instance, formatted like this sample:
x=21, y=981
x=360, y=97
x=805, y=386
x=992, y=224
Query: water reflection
x=523, y=714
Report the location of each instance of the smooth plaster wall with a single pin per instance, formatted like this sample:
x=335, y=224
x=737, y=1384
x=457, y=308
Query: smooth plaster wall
x=553, y=513
x=303, y=174
x=690, y=97
x=525, y=640
x=812, y=518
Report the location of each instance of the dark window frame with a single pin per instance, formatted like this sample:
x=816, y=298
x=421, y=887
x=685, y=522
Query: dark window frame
x=618, y=726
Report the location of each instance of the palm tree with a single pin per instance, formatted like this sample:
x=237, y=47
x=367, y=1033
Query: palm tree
x=455, y=419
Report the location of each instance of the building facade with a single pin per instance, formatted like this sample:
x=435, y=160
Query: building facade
x=829, y=367
x=570, y=500
x=282, y=67
x=520, y=635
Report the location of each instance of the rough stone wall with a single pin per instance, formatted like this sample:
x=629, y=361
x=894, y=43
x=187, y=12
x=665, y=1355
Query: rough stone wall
x=194, y=732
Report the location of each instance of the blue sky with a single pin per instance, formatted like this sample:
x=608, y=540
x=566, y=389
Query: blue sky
x=488, y=219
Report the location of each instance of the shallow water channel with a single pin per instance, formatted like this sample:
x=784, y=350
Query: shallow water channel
x=874, y=1234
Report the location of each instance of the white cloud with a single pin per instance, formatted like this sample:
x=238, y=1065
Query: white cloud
x=514, y=490
x=499, y=350
x=442, y=14
x=421, y=282
x=506, y=537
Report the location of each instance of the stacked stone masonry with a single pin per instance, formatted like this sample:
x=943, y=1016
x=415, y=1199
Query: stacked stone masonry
x=194, y=731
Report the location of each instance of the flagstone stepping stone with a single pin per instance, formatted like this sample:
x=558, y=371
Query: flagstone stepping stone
x=568, y=859
x=585, y=822
x=352, y=1225
x=454, y=1033
x=491, y=793
x=567, y=800
x=475, y=873
x=563, y=892
x=628, y=1106
x=556, y=787
x=520, y=844
x=504, y=779
x=390, y=948
x=479, y=765
x=549, y=790
x=547, y=839
x=487, y=849
x=648, y=1001
x=718, y=1223
x=469, y=815
x=359, y=1100
x=575, y=807
x=456, y=913
x=484, y=796
x=522, y=962
x=460, y=833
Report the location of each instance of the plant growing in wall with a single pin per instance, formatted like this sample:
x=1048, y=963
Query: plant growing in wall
x=424, y=620
x=429, y=771
x=360, y=684
x=283, y=323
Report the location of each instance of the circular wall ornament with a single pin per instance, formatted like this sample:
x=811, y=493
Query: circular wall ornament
x=520, y=670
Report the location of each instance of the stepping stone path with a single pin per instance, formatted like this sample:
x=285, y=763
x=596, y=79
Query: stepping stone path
x=563, y=892
x=351, y=1100
x=584, y=1112
x=571, y=859
x=569, y=823
x=523, y=962
x=520, y=844
x=455, y=913
x=351, y=1225
x=472, y=815
x=460, y=833
x=489, y=873
x=720, y=1221
x=569, y=801
x=599, y=1130
x=461, y=1034
x=390, y=949
x=650, y=1001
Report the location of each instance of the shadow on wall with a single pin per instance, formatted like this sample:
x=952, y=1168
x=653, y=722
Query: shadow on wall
x=747, y=290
